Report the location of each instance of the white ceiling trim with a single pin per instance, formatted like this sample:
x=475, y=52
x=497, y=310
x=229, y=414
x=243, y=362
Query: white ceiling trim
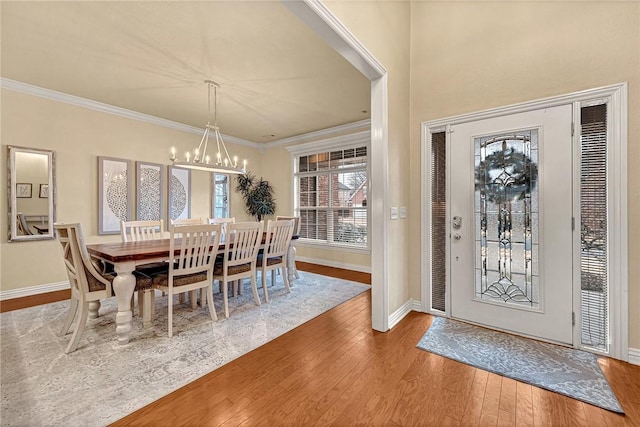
x=321, y=134
x=77, y=101
x=343, y=141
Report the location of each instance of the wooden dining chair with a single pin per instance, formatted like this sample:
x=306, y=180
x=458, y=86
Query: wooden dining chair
x=192, y=268
x=189, y=221
x=137, y=231
x=296, y=231
x=224, y=222
x=23, y=227
x=241, y=247
x=274, y=255
x=88, y=285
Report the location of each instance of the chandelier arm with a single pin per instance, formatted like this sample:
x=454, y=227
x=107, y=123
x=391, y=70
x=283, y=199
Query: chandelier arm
x=219, y=138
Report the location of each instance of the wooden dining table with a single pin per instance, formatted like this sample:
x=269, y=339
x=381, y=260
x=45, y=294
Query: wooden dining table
x=125, y=256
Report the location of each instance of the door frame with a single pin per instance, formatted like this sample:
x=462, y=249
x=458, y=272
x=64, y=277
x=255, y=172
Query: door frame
x=616, y=98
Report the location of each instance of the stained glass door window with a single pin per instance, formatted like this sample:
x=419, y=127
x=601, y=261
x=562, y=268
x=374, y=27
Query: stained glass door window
x=506, y=219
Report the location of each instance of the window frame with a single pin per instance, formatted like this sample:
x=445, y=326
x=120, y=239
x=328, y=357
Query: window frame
x=356, y=140
x=227, y=192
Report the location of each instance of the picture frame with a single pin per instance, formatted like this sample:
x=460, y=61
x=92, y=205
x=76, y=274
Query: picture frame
x=44, y=191
x=150, y=191
x=179, y=192
x=115, y=193
x=23, y=190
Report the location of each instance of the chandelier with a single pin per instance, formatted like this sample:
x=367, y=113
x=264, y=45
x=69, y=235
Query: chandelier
x=200, y=160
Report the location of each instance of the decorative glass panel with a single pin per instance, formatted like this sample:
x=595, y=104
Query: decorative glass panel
x=438, y=220
x=506, y=175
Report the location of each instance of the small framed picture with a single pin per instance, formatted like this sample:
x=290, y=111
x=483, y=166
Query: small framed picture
x=23, y=190
x=44, y=191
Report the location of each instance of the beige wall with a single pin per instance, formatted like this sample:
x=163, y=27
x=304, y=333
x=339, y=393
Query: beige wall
x=79, y=135
x=383, y=28
x=471, y=56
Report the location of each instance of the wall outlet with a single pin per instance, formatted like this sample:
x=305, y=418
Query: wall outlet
x=394, y=212
x=403, y=212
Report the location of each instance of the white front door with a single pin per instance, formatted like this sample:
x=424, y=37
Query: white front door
x=511, y=223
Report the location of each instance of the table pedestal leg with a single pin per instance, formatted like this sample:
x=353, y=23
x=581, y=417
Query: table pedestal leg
x=291, y=265
x=123, y=285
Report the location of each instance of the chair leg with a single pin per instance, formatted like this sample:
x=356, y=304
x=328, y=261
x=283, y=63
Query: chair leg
x=82, y=322
x=273, y=276
x=208, y=291
x=73, y=310
x=225, y=295
x=94, y=307
x=145, y=305
x=171, y=313
x=285, y=279
x=264, y=285
x=193, y=296
x=254, y=288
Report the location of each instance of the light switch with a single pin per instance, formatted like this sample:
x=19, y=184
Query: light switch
x=403, y=212
x=394, y=212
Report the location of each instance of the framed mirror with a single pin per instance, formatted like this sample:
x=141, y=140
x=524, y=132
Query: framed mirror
x=31, y=193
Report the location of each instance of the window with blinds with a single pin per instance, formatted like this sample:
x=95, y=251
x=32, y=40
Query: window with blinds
x=220, y=195
x=331, y=196
x=593, y=227
x=438, y=220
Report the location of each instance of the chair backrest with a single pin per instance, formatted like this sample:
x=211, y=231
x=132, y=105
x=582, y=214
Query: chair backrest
x=189, y=221
x=134, y=231
x=197, y=246
x=23, y=227
x=82, y=273
x=278, y=238
x=296, y=222
x=223, y=222
x=242, y=243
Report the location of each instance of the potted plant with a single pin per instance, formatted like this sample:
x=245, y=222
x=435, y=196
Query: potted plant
x=257, y=194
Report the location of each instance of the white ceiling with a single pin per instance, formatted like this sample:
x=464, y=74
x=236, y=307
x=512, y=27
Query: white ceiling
x=277, y=78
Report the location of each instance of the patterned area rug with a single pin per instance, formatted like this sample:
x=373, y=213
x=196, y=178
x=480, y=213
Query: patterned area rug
x=573, y=373
x=103, y=381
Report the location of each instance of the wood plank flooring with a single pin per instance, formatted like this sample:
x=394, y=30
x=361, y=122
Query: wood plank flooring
x=336, y=371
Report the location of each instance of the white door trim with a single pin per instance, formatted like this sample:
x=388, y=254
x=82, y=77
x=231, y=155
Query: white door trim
x=616, y=98
x=320, y=19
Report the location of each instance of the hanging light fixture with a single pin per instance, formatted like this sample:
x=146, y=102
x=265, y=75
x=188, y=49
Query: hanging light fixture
x=200, y=160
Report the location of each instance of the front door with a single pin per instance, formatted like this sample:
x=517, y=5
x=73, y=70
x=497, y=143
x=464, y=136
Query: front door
x=511, y=223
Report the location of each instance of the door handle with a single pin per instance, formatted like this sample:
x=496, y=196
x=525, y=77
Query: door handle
x=457, y=236
x=457, y=222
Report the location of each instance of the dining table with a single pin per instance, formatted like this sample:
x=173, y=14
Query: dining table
x=125, y=256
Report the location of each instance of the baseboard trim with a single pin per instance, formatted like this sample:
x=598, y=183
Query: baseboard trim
x=33, y=290
x=336, y=264
x=399, y=314
x=634, y=356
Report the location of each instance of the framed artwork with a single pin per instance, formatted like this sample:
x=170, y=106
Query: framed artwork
x=23, y=190
x=150, y=186
x=179, y=203
x=44, y=191
x=115, y=194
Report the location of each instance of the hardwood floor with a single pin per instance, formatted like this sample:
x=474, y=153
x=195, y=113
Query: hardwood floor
x=335, y=370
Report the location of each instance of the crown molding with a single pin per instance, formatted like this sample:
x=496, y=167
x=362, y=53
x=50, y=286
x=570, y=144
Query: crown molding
x=77, y=101
x=342, y=141
x=321, y=134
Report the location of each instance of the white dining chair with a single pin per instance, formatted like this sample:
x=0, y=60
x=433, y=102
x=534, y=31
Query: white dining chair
x=189, y=221
x=88, y=284
x=224, y=222
x=296, y=231
x=239, y=259
x=274, y=255
x=192, y=268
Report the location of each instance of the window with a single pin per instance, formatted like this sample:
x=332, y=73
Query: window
x=331, y=189
x=219, y=195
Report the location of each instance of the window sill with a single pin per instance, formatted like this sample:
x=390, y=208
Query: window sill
x=332, y=246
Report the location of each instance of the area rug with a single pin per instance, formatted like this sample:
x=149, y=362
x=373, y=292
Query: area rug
x=103, y=381
x=570, y=372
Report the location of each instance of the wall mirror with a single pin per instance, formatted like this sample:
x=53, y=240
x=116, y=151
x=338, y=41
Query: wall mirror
x=31, y=193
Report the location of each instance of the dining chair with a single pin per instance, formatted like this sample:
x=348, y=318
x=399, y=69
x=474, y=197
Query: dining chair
x=137, y=231
x=224, y=222
x=88, y=285
x=239, y=259
x=192, y=268
x=189, y=221
x=23, y=227
x=296, y=231
x=274, y=256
